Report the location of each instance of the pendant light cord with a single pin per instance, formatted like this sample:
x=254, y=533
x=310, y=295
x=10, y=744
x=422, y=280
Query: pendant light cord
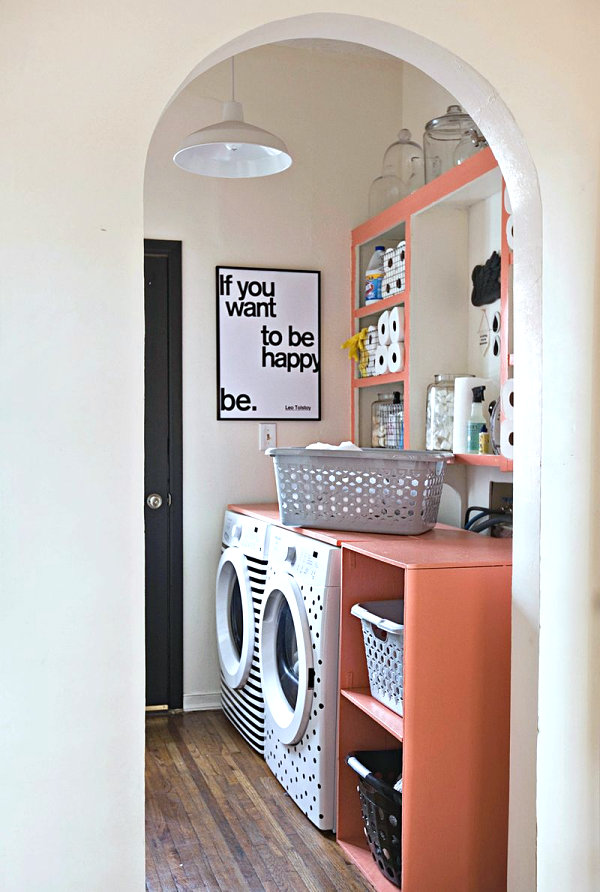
x=232, y=81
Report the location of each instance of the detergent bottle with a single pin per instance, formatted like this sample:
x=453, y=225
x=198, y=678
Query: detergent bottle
x=374, y=276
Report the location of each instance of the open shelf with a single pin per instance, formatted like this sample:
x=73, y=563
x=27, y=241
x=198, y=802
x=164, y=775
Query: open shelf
x=474, y=180
x=447, y=230
x=378, y=306
x=488, y=461
x=360, y=855
x=385, y=717
x=455, y=742
x=373, y=380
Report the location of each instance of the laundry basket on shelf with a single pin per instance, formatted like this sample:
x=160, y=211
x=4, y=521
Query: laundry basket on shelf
x=379, y=788
x=383, y=633
x=368, y=490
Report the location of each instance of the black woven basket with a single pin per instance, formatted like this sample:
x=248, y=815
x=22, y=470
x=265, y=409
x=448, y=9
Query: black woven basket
x=381, y=805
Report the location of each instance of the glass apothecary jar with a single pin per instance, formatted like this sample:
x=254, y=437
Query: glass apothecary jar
x=439, y=423
x=402, y=173
x=387, y=421
x=449, y=140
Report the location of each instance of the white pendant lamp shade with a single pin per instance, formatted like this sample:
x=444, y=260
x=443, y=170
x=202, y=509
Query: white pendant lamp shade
x=232, y=148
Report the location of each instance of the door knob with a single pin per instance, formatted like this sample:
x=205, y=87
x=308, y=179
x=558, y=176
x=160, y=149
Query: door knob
x=154, y=501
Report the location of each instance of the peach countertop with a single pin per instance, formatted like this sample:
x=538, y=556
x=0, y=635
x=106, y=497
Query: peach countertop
x=441, y=547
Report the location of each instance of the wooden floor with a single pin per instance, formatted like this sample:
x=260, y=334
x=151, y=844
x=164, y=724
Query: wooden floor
x=217, y=819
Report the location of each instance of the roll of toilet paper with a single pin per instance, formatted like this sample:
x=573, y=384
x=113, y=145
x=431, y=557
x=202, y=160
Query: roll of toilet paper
x=463, y=398
x=381, y=360
x=510, y=237
x=396, y=324
x=506, y=439
x=508, y=400
x=372, y=339
x=395, y=357
x=383, y=328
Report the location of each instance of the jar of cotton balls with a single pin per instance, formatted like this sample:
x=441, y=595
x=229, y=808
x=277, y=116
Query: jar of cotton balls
x=440, y=412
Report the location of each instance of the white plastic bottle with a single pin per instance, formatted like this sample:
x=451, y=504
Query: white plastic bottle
x=374, y=276
x=476, y=422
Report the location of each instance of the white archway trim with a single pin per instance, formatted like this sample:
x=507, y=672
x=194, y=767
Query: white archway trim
x=487, y=108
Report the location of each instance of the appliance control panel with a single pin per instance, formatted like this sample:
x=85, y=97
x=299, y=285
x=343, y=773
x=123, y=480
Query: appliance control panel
x=247, y=533
x=308, y=560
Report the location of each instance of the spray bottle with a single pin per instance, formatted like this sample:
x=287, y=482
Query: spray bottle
x=476, y=422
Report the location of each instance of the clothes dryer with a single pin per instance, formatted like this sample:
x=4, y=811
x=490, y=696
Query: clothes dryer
x=298, y=643
x=240, y=585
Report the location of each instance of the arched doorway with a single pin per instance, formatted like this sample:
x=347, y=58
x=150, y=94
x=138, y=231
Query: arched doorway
x=486, y=107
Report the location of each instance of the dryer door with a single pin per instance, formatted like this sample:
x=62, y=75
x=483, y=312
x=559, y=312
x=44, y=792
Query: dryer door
x=286, y=658
x=235, y=618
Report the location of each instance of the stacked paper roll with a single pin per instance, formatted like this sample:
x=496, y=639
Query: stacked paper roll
x=463, y=398
x=506, y=424
x=395, y=357
x=383, y=328
x=396, y=324
x=372, y=339
x=381, y=360
x=508, y=399
x=506, y=439
x=510, y=235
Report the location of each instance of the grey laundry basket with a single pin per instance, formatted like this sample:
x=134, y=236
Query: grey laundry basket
x=383, y=633
x=367, y=490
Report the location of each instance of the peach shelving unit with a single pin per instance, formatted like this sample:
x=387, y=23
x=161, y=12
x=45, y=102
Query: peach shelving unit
x=455, y=728
x=431, y=220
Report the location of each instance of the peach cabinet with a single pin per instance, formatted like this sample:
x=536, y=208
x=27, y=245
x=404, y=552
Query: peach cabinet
x=455, y=728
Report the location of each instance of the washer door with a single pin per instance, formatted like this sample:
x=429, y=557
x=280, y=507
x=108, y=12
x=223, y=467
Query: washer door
x=235, y=618
x=286, y=659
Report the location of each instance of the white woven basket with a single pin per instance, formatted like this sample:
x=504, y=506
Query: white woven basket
x=383, y=632
x=371, y=490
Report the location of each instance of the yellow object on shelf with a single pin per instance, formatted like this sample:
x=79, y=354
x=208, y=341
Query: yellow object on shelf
x=355, y=345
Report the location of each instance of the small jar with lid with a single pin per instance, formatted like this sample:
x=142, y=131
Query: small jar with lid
x=439, y=424
x=449, y=140
x=387, y=421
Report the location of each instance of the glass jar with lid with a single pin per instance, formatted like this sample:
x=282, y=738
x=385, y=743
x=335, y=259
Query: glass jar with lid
x=449, y=140
x=439, y=423
x=387, y=421
x=403, y=172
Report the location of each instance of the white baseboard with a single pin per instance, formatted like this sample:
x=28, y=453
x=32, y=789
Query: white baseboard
x=193, y=702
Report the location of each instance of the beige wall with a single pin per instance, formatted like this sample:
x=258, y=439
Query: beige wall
x=84, y=86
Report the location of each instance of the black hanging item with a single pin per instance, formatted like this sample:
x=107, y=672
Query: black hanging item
x=486, y=282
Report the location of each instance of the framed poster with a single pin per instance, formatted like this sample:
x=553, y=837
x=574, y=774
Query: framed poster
x=268, y=344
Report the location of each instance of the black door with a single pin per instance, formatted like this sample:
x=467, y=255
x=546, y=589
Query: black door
x=163, y=475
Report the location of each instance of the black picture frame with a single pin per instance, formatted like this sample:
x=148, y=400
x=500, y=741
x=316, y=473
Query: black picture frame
x=230, y=320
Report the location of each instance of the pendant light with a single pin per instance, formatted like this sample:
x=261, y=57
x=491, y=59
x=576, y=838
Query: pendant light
x=232, y=148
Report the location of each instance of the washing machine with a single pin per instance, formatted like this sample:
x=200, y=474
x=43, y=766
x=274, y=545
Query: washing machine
x=299, y=642
x=240, y=586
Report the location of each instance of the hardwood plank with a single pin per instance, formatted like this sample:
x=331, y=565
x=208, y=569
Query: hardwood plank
x=170, y=804
x=210, y=851
x=218, y=820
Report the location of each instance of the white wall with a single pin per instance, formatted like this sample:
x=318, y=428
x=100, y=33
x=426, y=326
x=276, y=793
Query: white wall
x=83, y=88
x=337, y=113
x=422, y=100
x=484, y=237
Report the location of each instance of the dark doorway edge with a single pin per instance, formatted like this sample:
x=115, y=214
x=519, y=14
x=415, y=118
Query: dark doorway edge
x=172, y=251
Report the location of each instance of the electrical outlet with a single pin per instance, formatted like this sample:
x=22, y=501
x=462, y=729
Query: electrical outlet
x=500, y=496
x=267, y=436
